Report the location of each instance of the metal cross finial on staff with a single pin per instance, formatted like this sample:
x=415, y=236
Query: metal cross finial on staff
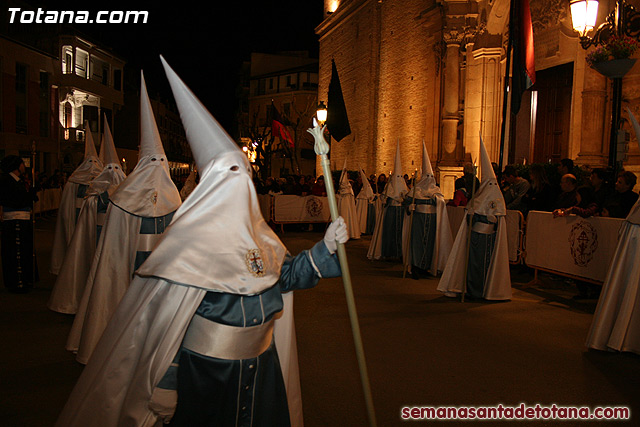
x=322, y=149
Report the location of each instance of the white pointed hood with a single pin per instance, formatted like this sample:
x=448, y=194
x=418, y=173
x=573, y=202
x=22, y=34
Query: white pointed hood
x=396, y=187
x=225, y=244
x=91, y=165
x=148, y=191
x=488, y=200
x=345, y=186
x=112, y=174
x=426, y=187
x=634, y=214
x=101, y=153
x=366, y=192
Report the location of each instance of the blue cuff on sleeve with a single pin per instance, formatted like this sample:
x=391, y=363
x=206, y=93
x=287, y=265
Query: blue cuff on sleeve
x=327, y=264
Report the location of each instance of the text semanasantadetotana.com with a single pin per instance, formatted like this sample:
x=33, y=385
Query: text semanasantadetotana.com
x=522, y=412
x=40, y=16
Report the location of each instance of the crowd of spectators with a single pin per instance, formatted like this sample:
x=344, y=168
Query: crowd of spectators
x=572, y=190
x=563, y=189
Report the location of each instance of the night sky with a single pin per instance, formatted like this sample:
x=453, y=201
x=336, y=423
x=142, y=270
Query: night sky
x=204, y=42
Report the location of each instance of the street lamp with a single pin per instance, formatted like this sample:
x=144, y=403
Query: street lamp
x=321, y=113
x=624, y=20
x=583, y=15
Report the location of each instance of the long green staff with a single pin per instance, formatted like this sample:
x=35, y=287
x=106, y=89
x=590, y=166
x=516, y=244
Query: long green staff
x=413, y=200
x=466, y=260
x=322, y=149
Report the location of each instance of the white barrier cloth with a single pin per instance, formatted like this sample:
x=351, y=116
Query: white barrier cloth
x=288, y=208
x=573, y=245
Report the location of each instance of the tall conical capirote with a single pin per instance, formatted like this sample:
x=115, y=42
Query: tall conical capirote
x=207, y=138
x=148, y=191
x=110, y=153
x=101, y=152
x=488, y=199
x=426, y=187
x=397, y=187
x=91, y=166
x=150, y=142
x=223, y=207
x=426, y=162
x=89, y=145
x=366, y=192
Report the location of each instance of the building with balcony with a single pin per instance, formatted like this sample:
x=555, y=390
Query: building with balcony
x=47, y=96
x=90, y=87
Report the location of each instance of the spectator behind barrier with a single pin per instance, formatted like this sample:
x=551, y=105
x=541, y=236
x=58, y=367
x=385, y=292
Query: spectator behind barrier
x=620, y=203
x=541, y=196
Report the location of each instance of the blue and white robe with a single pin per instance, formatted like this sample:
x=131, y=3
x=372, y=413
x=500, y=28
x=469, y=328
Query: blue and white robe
x=132, y=366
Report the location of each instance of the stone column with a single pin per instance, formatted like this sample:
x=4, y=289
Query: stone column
x=593, y=143
x=450, y=114
x=483, y=101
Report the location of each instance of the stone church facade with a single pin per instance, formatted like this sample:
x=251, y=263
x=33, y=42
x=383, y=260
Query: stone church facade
x=433, y=70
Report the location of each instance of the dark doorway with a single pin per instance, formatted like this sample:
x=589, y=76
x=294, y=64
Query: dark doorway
x=553, y=115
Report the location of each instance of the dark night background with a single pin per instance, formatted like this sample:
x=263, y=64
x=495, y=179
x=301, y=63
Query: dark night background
x=204, y=42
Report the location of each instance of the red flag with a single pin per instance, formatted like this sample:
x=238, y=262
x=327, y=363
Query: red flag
x=278, y=128
x=524, y=67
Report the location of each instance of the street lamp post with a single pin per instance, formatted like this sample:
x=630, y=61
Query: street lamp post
x=624, y=20
x=321, y=113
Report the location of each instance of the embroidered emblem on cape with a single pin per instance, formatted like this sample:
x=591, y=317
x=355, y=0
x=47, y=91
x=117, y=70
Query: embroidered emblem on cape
x=254, y=262
x=583, y=242
x=314, y=206
x=154, y=197
x=493, y=204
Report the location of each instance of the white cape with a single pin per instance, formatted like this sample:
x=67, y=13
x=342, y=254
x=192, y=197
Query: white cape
x=498, y=281
x=72, y=277
x=137, y=348
x=347, y=210
x=108, y=279
x=375, y=246
x=65, y=225
x=443, y=243
x=362, y=210
x=616, y=322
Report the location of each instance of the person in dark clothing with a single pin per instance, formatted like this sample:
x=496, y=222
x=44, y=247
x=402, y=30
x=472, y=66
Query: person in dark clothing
x=469, y=176
x=17, y=200
x=600, y=193
x=382, y=182
x=569, y=195
x=621, y=202
x=565, y=167
x=541, y=196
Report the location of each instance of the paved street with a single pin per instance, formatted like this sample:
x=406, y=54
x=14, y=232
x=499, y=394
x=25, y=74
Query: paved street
x=421, y=348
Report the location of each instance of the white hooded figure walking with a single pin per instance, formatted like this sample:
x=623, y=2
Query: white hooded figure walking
x=70, y=283
x=139, y=211
x=426, y=234
x=488, y=274
x=193, y=338
x=347, y=204
x=616, y=321
x=365, y=207
x=386, y=242
x=72, y=199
